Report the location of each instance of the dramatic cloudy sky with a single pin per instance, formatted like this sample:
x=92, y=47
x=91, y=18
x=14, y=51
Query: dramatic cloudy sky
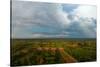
x=47, y=20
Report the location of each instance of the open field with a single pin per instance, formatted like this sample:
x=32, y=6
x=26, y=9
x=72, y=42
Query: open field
x=52, y=51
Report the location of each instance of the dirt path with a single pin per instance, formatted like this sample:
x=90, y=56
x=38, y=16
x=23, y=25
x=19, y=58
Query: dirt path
x=66, y=57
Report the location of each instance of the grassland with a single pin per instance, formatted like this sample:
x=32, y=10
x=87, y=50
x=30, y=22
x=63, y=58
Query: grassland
x=52, y=51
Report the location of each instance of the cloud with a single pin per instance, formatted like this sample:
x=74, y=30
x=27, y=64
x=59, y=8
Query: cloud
x=88, y=11
x=38, y=19
x=30, y=16
x=84, y=27
x=83, y=20
x=44, y=35
x=69, y=7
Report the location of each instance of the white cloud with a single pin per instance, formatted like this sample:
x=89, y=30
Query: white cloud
x=84, y=25
x=33, y=13
x=40, y=35
x=88, y=11
x=88, y=27
x=84, y=16
x=27, y=15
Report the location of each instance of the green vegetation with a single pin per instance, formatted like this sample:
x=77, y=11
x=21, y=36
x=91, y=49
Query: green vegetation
x=52, y=51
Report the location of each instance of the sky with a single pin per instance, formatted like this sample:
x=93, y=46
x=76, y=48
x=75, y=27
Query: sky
x=52, y=20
